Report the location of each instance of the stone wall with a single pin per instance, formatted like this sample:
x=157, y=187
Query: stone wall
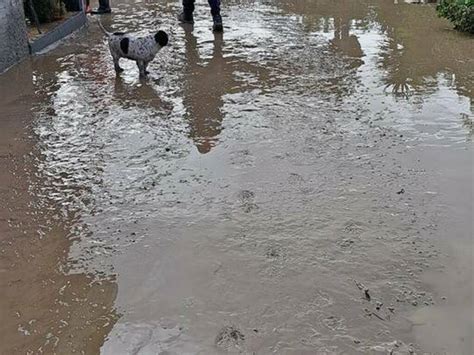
x=13, y=38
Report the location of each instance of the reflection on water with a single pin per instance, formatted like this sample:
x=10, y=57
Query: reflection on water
x=411, y=55
x=343, y=40
x=402, y=59
x=203, y=91
x=143, y=95
x=206, y=84
x=302, y=104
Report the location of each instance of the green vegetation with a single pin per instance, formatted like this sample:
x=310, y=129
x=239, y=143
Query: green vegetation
x=47, y=10
x=459, y=12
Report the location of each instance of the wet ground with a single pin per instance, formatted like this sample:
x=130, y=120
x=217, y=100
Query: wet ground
x=301, y=184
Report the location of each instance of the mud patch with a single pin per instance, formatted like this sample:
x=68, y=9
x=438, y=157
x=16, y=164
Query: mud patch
x=247, y=201
x=230, y=337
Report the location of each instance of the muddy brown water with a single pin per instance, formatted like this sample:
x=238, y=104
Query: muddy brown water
x=301, y=184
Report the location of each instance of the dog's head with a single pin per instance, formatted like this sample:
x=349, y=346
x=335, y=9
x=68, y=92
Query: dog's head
x=161, y=38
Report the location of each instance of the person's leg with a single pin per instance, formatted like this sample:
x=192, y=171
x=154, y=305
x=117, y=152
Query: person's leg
x=188, y=7
x=187, y=15
x=215, y=7
x=216, y=14
x=104, y=7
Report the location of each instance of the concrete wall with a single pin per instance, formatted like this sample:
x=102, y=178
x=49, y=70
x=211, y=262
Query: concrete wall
x=13, y=38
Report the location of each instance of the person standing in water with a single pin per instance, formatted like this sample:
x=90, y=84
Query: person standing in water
x=104, y=8
x=188, y=8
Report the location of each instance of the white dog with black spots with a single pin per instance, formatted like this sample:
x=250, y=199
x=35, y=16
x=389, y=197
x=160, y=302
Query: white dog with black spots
x=140, y=49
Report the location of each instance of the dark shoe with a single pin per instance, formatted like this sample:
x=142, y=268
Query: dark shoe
x=104, y=8
x=101, y=11
x=217, y=26
x=185, y=18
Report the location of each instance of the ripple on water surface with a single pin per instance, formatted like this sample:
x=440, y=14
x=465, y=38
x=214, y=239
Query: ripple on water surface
x=266, y=156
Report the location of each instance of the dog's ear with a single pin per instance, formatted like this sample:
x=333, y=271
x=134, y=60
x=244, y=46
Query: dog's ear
x=124, y=44
x=161, y=38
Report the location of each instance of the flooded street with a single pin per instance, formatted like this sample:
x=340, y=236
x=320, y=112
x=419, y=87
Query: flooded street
x=301, y=184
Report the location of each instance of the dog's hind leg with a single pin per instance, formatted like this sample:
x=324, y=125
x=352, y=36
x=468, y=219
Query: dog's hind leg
x=142, y=68
x=116, y=64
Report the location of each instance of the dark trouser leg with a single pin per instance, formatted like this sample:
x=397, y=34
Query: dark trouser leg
x=188, y=7
x=104, y=5
x=215, y=7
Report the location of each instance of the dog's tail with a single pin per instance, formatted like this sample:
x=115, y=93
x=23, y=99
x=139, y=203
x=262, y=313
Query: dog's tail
x=108, y=34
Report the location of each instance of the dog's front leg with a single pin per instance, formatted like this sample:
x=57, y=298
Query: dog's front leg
x=142, y=68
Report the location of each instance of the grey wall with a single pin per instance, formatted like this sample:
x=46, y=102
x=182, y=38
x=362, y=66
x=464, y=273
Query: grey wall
x=13, y=38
